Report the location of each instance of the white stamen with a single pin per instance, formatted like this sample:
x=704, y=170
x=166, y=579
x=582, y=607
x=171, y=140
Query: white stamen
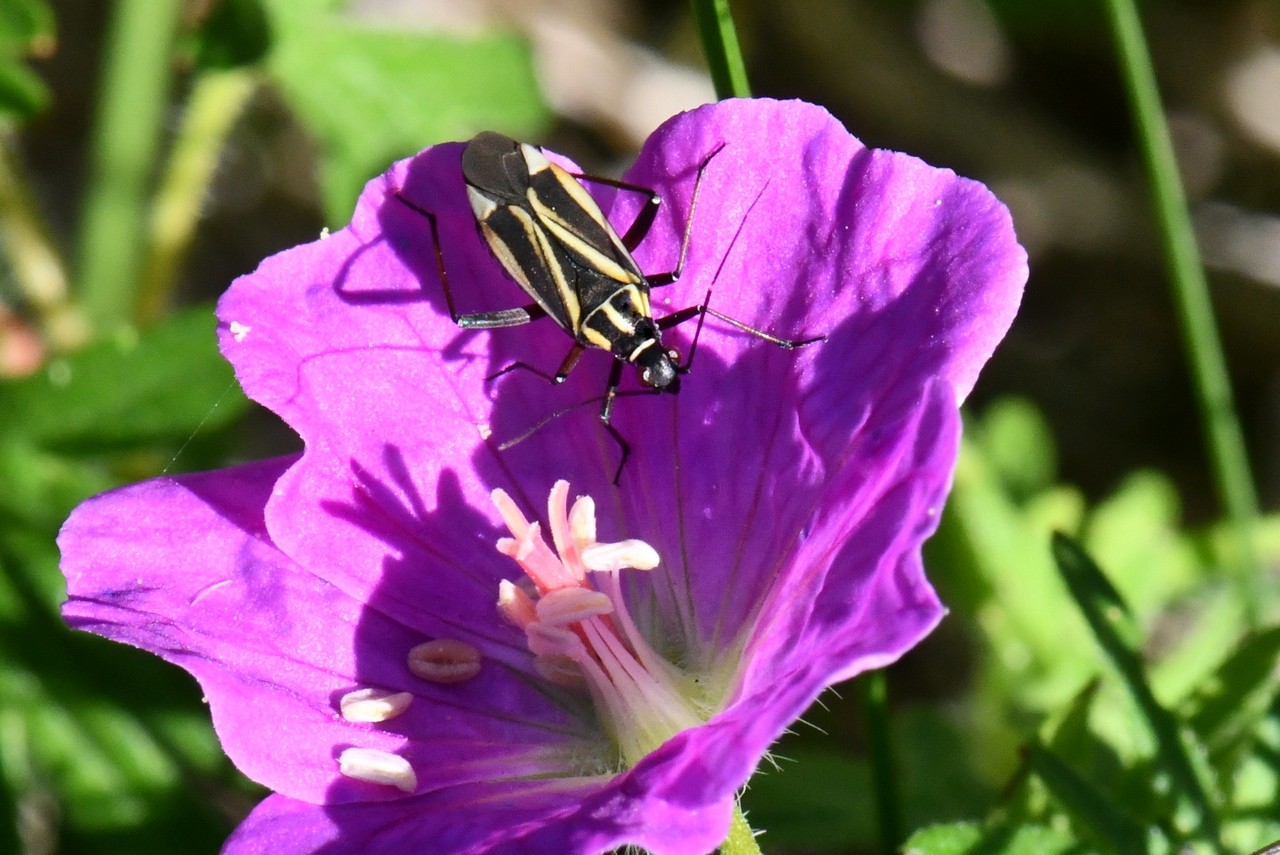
x=564, y=606
x=239, y=331
x=527, y=543
x=509, y=511
x=378, y=767
x=582, y=521
x=607, y=557
x=577, y=627
x=515, y=604
x=373, y=705
x=557, y=515
x=560, y=670
x=546, y=640
x=445, y=660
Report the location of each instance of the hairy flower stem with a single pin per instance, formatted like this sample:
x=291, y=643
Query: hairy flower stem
x=741, y=839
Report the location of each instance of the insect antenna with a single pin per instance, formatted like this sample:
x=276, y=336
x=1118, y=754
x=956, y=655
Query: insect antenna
x=705, y=309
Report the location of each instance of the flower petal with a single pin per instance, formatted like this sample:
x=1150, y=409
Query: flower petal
x=183, y=567
x=562, y=819
x=910, y=271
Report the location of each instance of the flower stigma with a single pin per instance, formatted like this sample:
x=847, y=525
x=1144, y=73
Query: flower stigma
x=577, y=625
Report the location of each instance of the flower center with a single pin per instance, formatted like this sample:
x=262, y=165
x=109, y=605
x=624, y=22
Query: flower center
x=578, y=627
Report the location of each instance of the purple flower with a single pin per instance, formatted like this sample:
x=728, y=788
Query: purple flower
x=338, y=607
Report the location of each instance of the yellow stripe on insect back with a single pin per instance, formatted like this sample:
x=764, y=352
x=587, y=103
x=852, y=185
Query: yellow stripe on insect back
x=504, y=255
x=563, y=232
x=564, y=288
x=614, y=318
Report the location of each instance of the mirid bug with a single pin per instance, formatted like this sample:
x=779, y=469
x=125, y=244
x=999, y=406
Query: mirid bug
x=551, y=237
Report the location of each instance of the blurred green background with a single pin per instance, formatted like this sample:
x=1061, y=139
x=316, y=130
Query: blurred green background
x=152, y=151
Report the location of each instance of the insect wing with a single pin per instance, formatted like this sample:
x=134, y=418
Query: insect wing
x=545, y=229
x=529, y=255
x=573, y=218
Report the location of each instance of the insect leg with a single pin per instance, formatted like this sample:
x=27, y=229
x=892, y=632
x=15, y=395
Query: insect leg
x=606, y=418
x=680, y=317
x=644, y=220
x=476, y=320
x=639, y=228
x=566, y=366
x=705, y=309
x=606, y=412
x=570, y=361
x=659, y=279
x=785, y=343
x=701, y=313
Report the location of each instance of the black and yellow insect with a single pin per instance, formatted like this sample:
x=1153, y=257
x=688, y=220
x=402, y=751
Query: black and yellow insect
x=551, y=237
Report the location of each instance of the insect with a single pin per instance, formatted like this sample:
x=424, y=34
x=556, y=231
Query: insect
x=551, y=237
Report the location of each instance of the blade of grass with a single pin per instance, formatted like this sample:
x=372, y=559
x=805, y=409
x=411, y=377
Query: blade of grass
x=216, y=102
x=1191, y=294
x=720, y=44
x=1117, y=634
x=135, y=94
x=1093, y=811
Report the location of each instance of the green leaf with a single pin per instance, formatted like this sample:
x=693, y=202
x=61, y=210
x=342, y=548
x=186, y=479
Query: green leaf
x=817, y=799
x=997, y=570
x=22, y=92
x=41, y=488
x=373, y=95
x=1207, y=629
x=127, y=392
x=1254, y=820
x=1227, y=708
x=26, y=25
x=1072, y=736
x=1017, y=440
x=1093, y=812
x=1135, y=533
x=237, y=33
x=108, y=746
x=26, y=29
x=971, y=838
x=1113, y=627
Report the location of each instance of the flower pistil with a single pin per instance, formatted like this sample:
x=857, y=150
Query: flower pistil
x=578, y=626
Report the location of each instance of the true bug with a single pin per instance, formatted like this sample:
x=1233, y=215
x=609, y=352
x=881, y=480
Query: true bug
x=551, y=237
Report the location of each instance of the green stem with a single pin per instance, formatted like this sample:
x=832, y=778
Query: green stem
x=1191, y=294
x=741, y=839
x=217, y=101
x=135, y=96
x=37, y=267
x=720, y=44
x=873, y=690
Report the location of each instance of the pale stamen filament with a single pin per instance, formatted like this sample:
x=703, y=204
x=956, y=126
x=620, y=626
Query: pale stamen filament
x=578, y=626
